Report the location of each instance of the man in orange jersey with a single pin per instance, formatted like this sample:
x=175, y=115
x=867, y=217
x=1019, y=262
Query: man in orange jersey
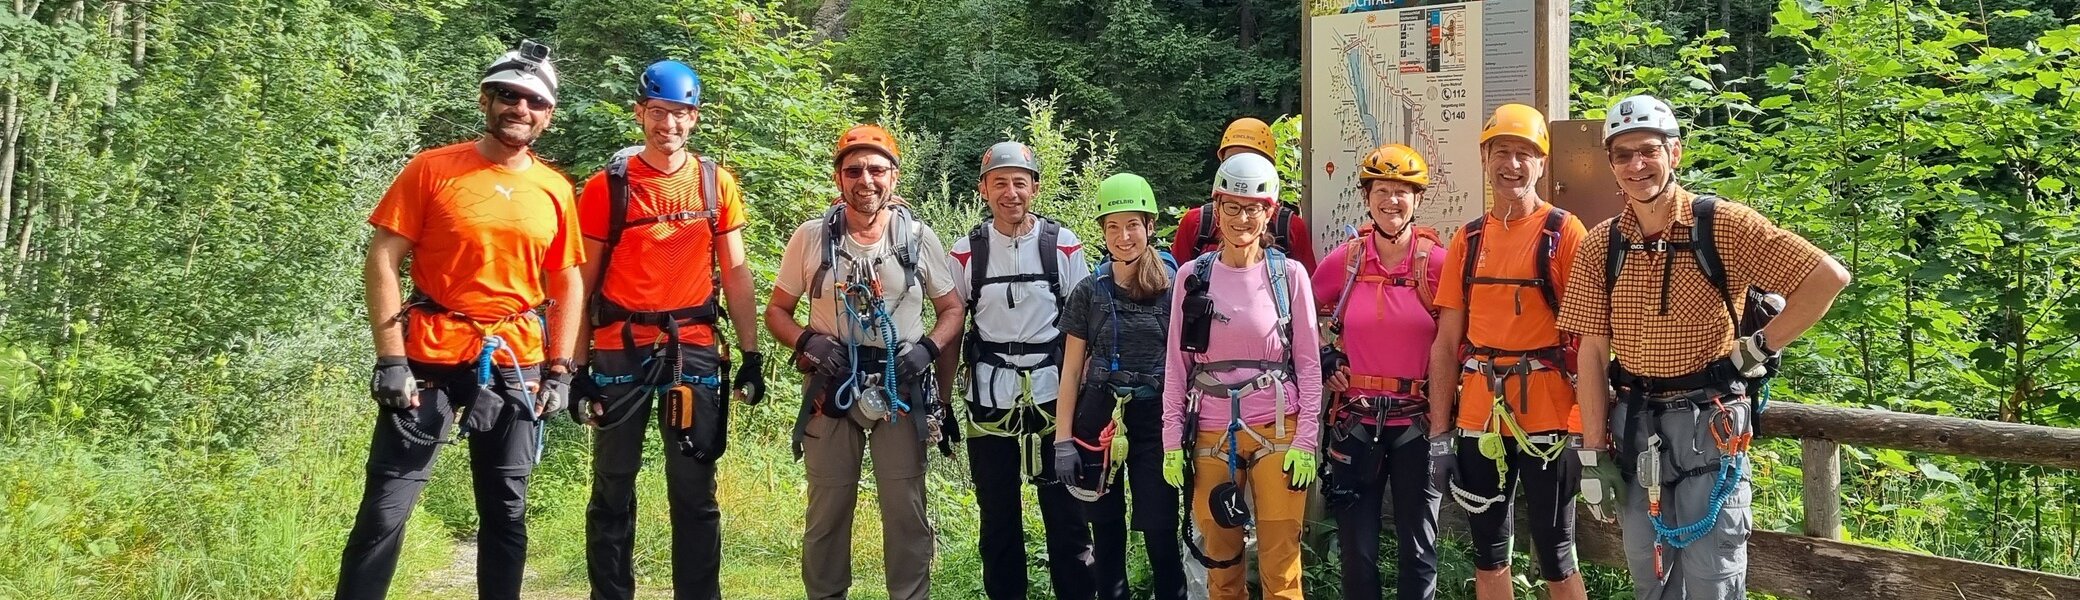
x=1497, y=334
x=493, y=237
x=663, y=235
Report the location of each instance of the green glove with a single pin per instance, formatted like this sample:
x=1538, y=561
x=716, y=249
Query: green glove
x=1300, y=467
x=1603, y=490
x=1173, y=468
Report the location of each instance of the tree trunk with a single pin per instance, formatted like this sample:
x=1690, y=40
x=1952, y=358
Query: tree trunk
x=10, y=132
x=1246, y=19
x=829, y=21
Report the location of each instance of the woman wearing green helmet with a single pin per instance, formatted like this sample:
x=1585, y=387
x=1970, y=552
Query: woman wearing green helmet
x=1112, y=374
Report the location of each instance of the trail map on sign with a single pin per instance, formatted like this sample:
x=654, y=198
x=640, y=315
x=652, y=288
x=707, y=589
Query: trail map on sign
x=1395, y=75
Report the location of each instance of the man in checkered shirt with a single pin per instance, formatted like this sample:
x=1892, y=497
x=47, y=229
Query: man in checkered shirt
x=1670, y=463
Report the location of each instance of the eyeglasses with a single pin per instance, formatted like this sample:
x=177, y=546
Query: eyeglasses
x=1237, y=209
x=521, y=99
x=857, y=172
x=1621, y=156
x=659, y=113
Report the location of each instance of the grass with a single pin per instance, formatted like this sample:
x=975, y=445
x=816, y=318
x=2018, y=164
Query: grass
x=85, y=517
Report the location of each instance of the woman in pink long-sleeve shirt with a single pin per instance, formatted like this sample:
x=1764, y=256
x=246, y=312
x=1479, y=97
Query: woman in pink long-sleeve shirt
x=1250, y=366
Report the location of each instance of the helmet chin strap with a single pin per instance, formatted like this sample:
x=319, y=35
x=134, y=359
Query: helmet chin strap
x=1667, y=180
x=1396, y=236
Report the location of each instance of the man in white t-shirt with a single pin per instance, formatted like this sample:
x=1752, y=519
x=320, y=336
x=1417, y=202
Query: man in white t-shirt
x=868, y=362
x=1014, y=271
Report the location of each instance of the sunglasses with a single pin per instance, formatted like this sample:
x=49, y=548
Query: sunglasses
x=1624, y=156
x=513, y=97
x=857, y=172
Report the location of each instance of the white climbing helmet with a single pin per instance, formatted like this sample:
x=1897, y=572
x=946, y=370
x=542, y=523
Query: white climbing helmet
x=1640, y=112
x=527, y=68
x=1247, y=175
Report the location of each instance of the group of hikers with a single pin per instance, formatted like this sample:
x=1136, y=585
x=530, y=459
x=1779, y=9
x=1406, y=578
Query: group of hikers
x=1213, y=389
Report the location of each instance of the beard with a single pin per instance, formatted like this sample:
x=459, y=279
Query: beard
x=516, y=135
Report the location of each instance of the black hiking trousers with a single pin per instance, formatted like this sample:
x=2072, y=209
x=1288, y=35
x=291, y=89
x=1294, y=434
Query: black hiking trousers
x=994, y=462
x=503, y=445
x=610, y=518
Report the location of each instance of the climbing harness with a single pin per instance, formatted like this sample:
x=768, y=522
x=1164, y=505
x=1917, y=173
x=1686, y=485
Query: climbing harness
x=661, y=374
x=872, y=385
x=1502, y=419
x=476, y=418
x=1106, y=439
x=1226, y=501
x=1022, y=420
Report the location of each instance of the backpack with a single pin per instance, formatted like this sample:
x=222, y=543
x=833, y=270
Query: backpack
x=1704, y=248
x=602, y=310
x=903, y=230
x=1050, y=265
x=1548, y=247
x=1354, y=261
x=1281, y=228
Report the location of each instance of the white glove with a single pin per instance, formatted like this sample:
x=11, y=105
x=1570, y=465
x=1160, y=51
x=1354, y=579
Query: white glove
x=1751, y=355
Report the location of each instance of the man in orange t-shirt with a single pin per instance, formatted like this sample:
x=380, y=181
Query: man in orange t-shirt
x=662, y=234
x=492, y=233
x=1498, y=328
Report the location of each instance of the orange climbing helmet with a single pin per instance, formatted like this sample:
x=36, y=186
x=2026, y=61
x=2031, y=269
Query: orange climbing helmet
x=1248, y=132
x=868, y=136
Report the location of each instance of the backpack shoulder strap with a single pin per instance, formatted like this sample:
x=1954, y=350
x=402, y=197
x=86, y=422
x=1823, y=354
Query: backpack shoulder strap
x=1353, y=262
x=1472, y=258
x=617, y=215
x=1426, y=288
x=978, y=263
x=711, y=201
x=1051, y=260
x=904, y=231
x=1614, y=255
x=1548, y=253
x=1206, y=233
x=833, y=232
x=1704, y=247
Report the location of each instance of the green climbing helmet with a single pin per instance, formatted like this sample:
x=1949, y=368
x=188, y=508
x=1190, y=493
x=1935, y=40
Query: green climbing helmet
x=1125, y=192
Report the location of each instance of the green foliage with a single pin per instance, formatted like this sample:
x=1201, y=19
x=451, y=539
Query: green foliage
x=1934, y=161
x=1165, y=77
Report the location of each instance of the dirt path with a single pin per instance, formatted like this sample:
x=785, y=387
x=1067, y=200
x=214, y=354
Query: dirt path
x=458, y=581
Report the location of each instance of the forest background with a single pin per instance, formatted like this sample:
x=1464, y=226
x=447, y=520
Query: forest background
x=184, y=186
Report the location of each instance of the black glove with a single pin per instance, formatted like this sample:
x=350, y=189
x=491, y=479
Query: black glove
x=751, y=378
x=820, y=354
x=1067, y=463
x=1443, y=462
x=916, y=358
x=1332, y=360
x=392, y=384
x=555, y=394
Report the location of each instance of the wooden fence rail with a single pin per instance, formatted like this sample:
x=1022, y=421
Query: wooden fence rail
x=1816, y=565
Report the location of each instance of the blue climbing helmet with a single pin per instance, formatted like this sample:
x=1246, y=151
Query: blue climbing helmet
x=672, y=81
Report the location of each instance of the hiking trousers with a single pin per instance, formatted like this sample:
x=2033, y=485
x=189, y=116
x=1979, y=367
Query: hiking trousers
x=1715, y=567
x=832, y=449
x=1407, y=467
x=501, y=457
x=610, y=517
x=994, y=463
x=1277, y=509
x=1155, y=511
